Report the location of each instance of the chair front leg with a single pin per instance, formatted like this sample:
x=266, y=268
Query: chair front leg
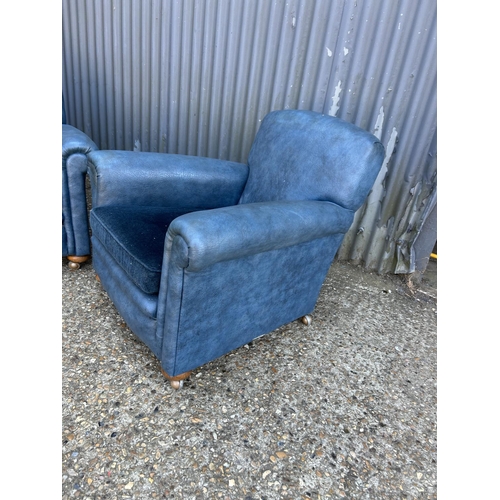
x=177, y=381
x=75, y=260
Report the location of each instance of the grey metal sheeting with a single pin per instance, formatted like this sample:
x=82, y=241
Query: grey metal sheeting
x=197, y=77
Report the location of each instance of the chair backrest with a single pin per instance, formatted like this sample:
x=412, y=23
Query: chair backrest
x=304, y=155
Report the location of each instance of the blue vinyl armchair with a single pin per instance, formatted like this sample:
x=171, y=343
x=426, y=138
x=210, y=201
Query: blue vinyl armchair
x=200, y=255
x=75, y=226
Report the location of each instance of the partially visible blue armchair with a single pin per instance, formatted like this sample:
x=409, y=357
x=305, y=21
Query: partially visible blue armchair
x=200, y=256
x=75, y=228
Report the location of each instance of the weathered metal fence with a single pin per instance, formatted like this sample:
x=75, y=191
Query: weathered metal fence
x=197, y=77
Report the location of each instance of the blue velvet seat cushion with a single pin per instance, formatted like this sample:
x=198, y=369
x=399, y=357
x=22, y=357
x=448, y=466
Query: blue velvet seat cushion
x=134, y=236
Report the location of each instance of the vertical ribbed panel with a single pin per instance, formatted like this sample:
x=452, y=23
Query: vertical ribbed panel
x=197, y=77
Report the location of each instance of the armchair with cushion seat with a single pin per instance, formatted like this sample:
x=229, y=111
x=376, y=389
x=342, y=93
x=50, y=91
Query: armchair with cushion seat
x=75, y=227
x=200, y=256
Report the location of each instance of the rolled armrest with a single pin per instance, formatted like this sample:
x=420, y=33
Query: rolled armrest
x=217, y=235
x=75, y=141
x=165, y=180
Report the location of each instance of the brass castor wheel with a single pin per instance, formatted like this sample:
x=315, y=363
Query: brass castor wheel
x=176, y=384
x=178, y=381
x=307, y=320
x=75, y=261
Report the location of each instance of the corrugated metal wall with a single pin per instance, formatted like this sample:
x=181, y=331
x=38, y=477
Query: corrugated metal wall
x=197, y=77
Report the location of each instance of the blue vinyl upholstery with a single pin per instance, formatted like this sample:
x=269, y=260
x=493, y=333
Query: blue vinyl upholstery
x=200, y=256
x=75, y=228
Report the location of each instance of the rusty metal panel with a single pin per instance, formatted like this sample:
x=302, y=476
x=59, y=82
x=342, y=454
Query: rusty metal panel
x=197, y=77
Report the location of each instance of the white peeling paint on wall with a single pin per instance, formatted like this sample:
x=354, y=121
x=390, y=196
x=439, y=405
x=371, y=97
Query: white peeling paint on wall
x=390, y=148
x=377, y=131
x=335, y=100
x=409, y=220
x=377, y=193
x=371, y=219
x=329, y=52
x=346, y=51
x=366, y=221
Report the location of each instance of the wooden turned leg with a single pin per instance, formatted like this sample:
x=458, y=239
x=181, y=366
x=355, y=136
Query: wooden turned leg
x=75, y=261
x=177, y=381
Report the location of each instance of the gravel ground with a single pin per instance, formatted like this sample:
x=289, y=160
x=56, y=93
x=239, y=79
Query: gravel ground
x=344, y=408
